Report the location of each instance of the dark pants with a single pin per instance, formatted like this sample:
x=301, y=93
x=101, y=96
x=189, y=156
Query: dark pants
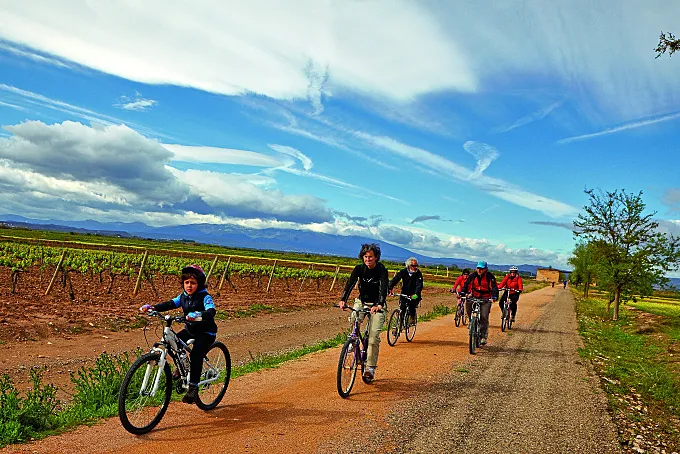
x=411, y=304
x=202, y=343
x=514, y=297
x=484, y=310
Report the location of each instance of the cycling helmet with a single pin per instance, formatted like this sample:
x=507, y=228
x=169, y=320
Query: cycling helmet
x=197, y=272
x=513, y=268
x=482, y=264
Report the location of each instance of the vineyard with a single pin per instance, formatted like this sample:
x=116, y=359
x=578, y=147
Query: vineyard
x=73, y=289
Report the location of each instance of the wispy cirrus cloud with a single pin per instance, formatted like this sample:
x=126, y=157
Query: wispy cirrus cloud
x=33, y=56
x=13, y=106
x=484, y=153
x=531, y=118
x=138, y=103
x=424, y=218
x=623, y=127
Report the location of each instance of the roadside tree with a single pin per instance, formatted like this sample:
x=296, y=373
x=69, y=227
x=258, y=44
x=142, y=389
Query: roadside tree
x=667, y=42
x=631, y=254
x=584, y=263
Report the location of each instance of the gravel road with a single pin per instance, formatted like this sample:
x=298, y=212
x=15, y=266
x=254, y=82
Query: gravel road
x=528, y=393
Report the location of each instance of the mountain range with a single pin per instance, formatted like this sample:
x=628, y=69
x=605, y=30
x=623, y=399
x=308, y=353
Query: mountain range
x=234, y=236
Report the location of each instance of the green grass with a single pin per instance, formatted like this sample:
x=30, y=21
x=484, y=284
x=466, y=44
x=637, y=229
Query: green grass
x=633, y=357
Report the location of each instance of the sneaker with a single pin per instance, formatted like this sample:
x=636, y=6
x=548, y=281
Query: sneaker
x=483, y=341
x=191, y=395
x=369, y=373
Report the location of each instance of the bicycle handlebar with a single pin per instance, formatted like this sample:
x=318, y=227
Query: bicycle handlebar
x=411, y=297
x=168, y=317
x=512, y=290
x=364, y=310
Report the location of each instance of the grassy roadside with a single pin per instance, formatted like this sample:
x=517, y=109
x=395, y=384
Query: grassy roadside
x=39, y=414
x=637, y=358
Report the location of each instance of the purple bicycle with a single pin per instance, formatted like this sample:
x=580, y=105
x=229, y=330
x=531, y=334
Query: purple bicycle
x=353, y=354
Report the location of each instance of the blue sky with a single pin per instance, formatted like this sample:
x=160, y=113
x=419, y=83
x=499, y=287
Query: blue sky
x=451, y=128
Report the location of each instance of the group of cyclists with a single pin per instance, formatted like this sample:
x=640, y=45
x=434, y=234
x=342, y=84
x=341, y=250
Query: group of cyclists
x=374, y=287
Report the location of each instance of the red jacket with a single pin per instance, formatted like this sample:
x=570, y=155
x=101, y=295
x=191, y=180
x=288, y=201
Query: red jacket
x=513, y=283
x=483, y=286
x=459, y=283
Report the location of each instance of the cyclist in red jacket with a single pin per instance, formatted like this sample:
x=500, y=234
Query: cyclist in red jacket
x=458, y=286
x=482, y=285
x=513, y=281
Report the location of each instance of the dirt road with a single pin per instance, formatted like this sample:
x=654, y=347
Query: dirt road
x=531, y=376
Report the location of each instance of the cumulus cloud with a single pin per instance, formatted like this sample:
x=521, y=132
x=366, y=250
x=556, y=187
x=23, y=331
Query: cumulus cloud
x=395, y=234
x=79, y=169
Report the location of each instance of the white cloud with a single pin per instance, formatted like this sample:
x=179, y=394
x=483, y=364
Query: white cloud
x=139, y=104
x=535, y=116
x=76, y=169
x=23, y=53
x=496, y=187
x=484, y=153
x=624, y=127
x=290, y=151
x=218, y=155
x=393, y=48
x=13, y=106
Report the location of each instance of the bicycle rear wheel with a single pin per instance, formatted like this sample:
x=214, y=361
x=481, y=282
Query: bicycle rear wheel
x=216, y=364
x=393, y=328
x=473, y=335
x=410, y=327
x=140, y=411
x=347, y=367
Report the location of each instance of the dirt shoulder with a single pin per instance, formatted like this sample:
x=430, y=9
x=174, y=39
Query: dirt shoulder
x=296, y=408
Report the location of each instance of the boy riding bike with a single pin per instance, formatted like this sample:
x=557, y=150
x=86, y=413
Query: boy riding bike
x=457, y=288
x=411, y=284
x=372, y=277
x=512, y=281
x=199, y=310
x=481, y=285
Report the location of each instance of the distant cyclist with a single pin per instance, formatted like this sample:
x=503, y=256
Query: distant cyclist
x=460, y=281
x=373, y=280
x=513, y=281
x=411, y=284
x=481, y=285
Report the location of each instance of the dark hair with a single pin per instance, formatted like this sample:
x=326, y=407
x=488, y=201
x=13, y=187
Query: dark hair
x=466, y=271
x=370, y=247
x=196, y=272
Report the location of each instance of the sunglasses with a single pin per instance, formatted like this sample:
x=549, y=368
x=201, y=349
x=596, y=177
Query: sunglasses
x=414, y=265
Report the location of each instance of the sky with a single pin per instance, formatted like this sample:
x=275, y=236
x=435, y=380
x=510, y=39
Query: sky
x=450, y=128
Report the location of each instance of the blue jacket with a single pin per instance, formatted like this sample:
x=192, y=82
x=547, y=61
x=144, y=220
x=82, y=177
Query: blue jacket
x=201, y=302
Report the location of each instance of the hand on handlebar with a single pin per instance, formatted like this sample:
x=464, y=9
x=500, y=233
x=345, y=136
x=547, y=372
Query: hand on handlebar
x=342, y=305
x=192, y=316
x=375, y=309
x=146, y=308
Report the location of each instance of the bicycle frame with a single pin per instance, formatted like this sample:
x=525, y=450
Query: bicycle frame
x=171, y=344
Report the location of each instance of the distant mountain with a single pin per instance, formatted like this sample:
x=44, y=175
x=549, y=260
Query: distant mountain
x=234, y=236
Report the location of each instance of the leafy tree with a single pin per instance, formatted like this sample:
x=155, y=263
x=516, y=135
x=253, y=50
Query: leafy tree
x=631, y=253
x=584, y=263
x=667, y=43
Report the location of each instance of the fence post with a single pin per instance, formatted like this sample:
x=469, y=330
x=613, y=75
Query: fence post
x=224, y=275
x=304, y=277
x=271, y=275
x=61, y=260
x=141, y=270
x=212, y=267
x=447, y=271
x=337, y=270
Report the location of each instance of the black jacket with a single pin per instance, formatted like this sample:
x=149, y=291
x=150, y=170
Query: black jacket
x=410, y=284
x=372, y=284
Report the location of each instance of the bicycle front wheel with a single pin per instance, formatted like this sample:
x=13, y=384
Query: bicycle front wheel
x=457, y=318
x=411, y=327
x=509, y=321
x=473, y=334
x=217, y=366
x=393, y=328
x=347, y=367
x=140, y=409
x=504, y=320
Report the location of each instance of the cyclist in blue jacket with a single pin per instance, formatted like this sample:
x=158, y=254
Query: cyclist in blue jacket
x=199, y=310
